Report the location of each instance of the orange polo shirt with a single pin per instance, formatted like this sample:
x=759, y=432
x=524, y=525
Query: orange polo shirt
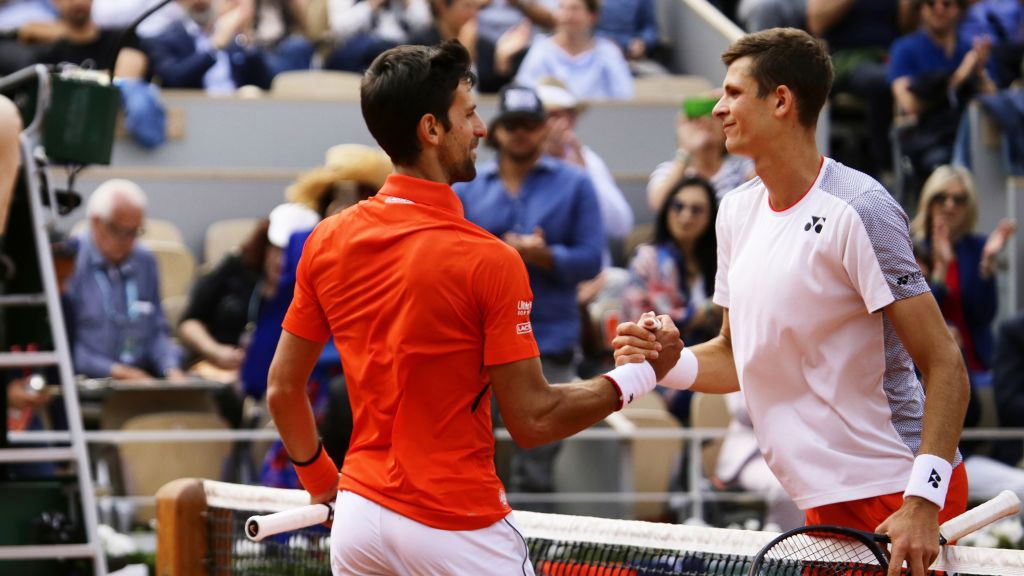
x=418, y=301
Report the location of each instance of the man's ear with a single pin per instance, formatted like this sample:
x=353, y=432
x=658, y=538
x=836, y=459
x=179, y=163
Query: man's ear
x=785, y=102
x=429, y=130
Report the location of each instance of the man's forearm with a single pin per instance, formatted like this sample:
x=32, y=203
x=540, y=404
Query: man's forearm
x=293, y=416
x=716, y=368
x=947, y=394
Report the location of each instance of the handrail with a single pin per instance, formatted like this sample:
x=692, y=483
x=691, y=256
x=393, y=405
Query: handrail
x=39, y=73
x=500, y=434
x=696, y=494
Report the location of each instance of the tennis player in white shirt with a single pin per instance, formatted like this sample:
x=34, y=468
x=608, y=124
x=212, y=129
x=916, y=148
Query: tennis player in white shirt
x=826, y=314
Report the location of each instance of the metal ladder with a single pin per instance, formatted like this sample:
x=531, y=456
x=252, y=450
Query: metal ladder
x=60, y=356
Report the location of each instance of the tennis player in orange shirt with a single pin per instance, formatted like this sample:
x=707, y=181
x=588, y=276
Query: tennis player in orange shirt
x=430, y=313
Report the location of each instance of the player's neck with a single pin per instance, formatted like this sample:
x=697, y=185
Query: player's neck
x=424, y=171
x=789, y=173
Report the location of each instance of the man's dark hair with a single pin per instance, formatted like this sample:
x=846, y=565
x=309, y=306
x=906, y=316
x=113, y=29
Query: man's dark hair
x=706, y=249
x=405, y=83
x=787, y=57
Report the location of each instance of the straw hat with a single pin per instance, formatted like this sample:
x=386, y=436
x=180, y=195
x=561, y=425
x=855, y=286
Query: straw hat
x=353, y=163
x=555, y=96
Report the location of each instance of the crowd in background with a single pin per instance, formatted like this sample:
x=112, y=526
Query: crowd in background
x=905, y=68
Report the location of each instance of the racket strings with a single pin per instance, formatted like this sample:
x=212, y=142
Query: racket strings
x=823, y=556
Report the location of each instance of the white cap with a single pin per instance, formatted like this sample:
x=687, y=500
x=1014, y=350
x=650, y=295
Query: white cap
x=287, y=219
x=556, y=98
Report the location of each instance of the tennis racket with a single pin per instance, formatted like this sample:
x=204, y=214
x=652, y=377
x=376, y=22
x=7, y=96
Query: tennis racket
x=840, y=551
x=259, y=527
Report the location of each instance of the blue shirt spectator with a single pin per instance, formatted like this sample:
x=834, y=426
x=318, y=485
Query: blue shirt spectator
x=600, y=73
x=996, y=18
x=113, y=298
x=623, y=21
x=591, y=67
x=916, y=54
x=560, y=200
x=1003, y=22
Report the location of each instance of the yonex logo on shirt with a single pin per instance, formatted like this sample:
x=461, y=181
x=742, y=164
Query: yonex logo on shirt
x=817, y=222
x=934, y=479
x=908, y=278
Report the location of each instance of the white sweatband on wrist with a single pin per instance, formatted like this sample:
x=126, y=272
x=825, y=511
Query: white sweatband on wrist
x=633, y=381
x=683, y=374
x=929, y=479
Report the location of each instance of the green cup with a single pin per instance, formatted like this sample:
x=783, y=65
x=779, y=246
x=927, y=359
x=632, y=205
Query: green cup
x=698, y=106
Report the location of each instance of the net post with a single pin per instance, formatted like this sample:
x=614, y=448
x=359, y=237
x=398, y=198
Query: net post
x=182, y=532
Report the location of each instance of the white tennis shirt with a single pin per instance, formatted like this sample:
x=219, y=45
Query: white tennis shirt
x=832, y=393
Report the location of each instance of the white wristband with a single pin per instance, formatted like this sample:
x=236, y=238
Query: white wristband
x=929, y=479
x=633, y=381
x=683, y=374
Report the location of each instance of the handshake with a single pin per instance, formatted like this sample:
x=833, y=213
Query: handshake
x=648, y=351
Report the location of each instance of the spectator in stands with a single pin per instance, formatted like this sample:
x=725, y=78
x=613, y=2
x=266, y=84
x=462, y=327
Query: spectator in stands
x=364, y=29
x=700, y=153
x=756, y=15
x=25, y=26
x=633, y=26
x=961, y=264
x=548, y=211
x=210, y=49
x=353, y=173
x=859, y=34
x=113, y=298
x=223, y=305
x=933, y=73
x=1008, y=385
x=84, y=43
x=494, y=62
x=961, y=269
x=592, y=67
x=675, y=275
x=1003, y=22
x=497, y=17
x=562, y=142
x=741, y=464
x=121, y=13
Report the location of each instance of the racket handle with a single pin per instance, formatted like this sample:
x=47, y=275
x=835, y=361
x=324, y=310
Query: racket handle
x=1004, y=504
x=259, y=527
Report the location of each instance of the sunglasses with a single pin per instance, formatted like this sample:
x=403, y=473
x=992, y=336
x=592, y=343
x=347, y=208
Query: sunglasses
x=124, y=233
x=943, y=197
x=695, y=209
x=528, y=124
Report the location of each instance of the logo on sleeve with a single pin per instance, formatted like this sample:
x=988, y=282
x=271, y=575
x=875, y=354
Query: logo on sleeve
x=817, y=222
x=524, y=307
x=908, y=278
x=524, y=328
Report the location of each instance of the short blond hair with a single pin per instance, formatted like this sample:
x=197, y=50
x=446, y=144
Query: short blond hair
x=921, y=225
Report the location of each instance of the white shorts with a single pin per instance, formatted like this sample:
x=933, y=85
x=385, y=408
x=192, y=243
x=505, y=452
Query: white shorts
x=368, y=539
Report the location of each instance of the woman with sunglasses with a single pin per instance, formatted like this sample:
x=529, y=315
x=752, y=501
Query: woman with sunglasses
x=675, y=275
x=961, y=264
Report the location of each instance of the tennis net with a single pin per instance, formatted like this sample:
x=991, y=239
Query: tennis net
x=201, y=522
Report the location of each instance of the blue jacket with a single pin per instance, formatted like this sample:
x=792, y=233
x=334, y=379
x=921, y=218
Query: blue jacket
x=978, y=296
x=178, y=64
